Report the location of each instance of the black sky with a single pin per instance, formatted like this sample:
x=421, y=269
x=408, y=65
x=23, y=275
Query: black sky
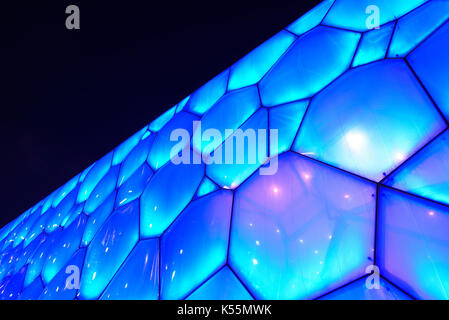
x=69, y=96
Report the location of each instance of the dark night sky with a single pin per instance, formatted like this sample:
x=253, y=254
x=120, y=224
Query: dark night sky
x=70, y=96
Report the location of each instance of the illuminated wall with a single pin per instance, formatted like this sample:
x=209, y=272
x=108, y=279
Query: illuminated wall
x=362, y=178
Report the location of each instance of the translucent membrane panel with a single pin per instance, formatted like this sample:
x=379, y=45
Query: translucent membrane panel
x=134, y=160
x=63, y=248
x=417, y=25
x=160, y=122
x=206, y=187
x=125, y=148
x=166, y=195
x=286, y=120
x=241, y=154
x=374, y=45
x=57, y=215
x=206, y=96
x=85, y=172
x=195, y=246
x=109, y=249
x=302, y=232
x=24, y=229
x=36, y=229
x=104, y=188
x=97, y=218
x=427, y=173
x=72, y=215
x=10, y=288
x=25, y=254
x=134, y=186
x=362, y=15
x=250, y=69
x=311, y=19
x=7, y=261
x=174, y=137
x=33, y=291
x=363, y=290
x=48, y=202
x=229, y=113
x=138, y=278
x=431, y=64
x=64, y=285
x=413, y=244
x=383, y=117
x=182, y=104
x=313, y=62
x=65, y=190
x=40, y=256
x=100, y=168
x=224, y=285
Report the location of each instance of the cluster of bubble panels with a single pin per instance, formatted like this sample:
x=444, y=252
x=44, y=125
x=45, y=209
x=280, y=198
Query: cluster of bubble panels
x=362, y=179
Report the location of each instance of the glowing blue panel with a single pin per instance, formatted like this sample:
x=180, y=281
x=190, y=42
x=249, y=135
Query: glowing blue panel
x=36, y=229
x=359, y=291
x=40, y=256
x=365, y=133
x=182, y=104
x=163, y=145
x=206, y=96
x=48, y=201
x=313, y=62
x=109, y=249
x=134, y=186
x=138, y=278
x=229, y=113
x=241, y=154
x=311, y=19
x=27, y=252
x=72, y=215
x=59, y=213
x=222, y=286
x=195, y=246
x=134, y=160
x=360, y=14
x=65, y=190
x=374, y=45
x=10, y=288
x=250, y=69
x=413, y=244
x=97, y=218
x=104, y=188
x=125, y=148
x=431, y=64
x=63, y=286
x=160, y=122
x=427, y=173
x=206, y=187
x=290, y=230
x=167, y=194
x=33, y=291
x=25, y=229
x=286, y=120
x=63, y=248
x=8, y=259
x=417, y=25
x=100, y=168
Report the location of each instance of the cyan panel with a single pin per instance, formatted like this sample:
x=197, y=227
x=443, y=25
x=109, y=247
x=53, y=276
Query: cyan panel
x=374, y=45
x=104, y=188
x=416, y=26
x=195, y=246
x=160, y=122
x=413, y=244
x=291, y=230
x=358, y=14
x=166, y=195
x=250, y=69
x=359, y=290
x=427, y=173
x=55, y=216
x=65, y=190
x=109, y=249
x=310, y=19
x=222, y=286
x=431, y=64
x=206, y=187
x=315, y=59
x=138, y=278
x=98, y=171
x=365, y=133
x=134, y=186
x=125, y=148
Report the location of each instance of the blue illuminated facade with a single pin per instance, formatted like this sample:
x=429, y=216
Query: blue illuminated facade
x=362, y=178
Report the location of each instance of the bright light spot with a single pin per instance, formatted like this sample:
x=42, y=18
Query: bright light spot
x=180, y=251
x=306, y=176
x=255, y=261
x=151, y=225
x=347, y=196
x=316, y=252
x=275, y=190
x=173, y=274
x=330, y=236
x=257, y=242
x=399, y=156
x=431, y=213
x=155, y=208
x=301, y=241
x=355, y=140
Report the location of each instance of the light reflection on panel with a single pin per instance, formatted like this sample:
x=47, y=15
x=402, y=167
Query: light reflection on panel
x=350, y=127
x=413, y=244
x=310, y=19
